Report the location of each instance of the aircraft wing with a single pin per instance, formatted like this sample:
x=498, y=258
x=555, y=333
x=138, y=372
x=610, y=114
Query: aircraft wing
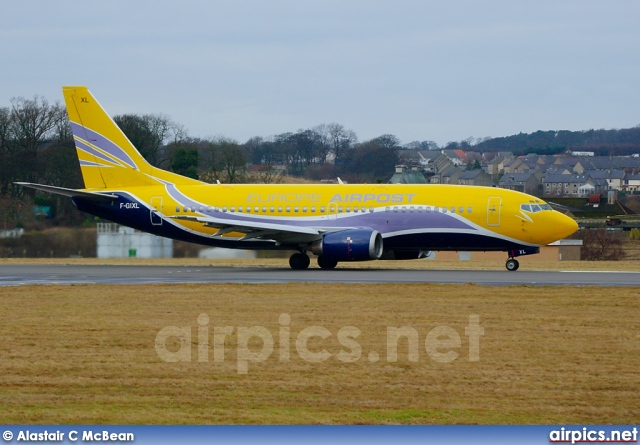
x=258, y=230
x=94, y=196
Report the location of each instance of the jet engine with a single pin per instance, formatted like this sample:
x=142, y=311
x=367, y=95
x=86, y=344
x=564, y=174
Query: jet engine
x=350, y=245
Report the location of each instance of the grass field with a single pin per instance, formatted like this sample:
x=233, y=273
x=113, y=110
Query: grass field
x=526, y=263
x=86, y=354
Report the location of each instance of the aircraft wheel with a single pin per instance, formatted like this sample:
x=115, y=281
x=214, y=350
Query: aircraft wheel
x=512, y=265
x=299, y=261
x=326, y=263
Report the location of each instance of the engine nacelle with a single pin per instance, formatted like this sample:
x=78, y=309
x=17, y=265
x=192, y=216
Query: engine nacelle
x=350, y=245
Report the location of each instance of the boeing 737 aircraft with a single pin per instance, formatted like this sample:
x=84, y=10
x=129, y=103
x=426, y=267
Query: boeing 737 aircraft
x=338, y=223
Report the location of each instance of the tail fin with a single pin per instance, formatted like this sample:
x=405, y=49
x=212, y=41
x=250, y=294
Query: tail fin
x=107, y=158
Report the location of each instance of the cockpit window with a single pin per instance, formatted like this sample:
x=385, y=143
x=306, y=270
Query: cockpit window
x=535, y=208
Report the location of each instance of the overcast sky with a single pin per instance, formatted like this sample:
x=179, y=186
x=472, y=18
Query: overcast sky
x=421, y=70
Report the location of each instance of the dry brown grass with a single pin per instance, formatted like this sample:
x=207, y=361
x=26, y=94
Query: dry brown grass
x=85, y=354
x=525, y=263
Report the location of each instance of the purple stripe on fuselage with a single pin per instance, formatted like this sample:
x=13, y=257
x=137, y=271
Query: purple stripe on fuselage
x=383, y=222
x=92, y=151
x=102, y=143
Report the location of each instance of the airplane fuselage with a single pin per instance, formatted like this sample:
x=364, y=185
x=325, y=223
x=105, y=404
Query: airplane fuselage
x=409, y=217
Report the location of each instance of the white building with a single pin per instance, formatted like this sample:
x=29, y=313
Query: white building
x=116, y=241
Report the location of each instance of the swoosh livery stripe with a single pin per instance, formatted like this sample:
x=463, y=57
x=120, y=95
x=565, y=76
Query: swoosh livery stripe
x=101, y=142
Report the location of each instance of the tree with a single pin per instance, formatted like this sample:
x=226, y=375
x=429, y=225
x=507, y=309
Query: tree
x=222, y=159
x=184, y=159
x=337, y=139
x=602, y=245
x=149, y=133
x=372, y=160
x=24, y=129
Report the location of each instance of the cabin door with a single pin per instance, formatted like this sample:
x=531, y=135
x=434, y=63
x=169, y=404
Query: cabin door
x=493, y=211
x=156, y=210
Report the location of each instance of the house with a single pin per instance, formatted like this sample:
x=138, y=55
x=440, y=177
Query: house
x=458, y=157
x=476, y=177
x=513, y=165
x=523, y=182
x=614, y=178
x=562, y=184
x=449, y=176
x=495, y=165
x=407, y=176
x=631, y=183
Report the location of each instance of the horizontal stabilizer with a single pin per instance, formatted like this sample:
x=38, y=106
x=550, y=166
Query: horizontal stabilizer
x=71, y=193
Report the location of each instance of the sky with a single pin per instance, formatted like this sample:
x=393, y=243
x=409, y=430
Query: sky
x=420, y=70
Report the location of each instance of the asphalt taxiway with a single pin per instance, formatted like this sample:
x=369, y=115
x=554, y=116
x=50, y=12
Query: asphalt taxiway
x=16, y=275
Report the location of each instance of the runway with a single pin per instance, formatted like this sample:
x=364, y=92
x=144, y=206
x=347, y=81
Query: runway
x=18, y=275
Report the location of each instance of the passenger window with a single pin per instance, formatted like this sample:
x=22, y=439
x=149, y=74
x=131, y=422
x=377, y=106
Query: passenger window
x=461, y=209
x=201, y=209
x=436, y=209
x=208, y=209
x=248, y=209
x=304, y=210
x=469, y=209
x=185, y=209
x=355, y=209
x=411, y=209
x=444, y=210
x=348, y=209
x=264, y=210
x=178, y=209
x=224, y=209
x=395, y=209
x=296, y=209
x=313, y=210
x=288, y=209
x=419, y=209
x=340, y=209
x=240, y=209
x=453, y=209
x=280, y=209
x=272, y=209
x=387, y=209
x=322, y=209
x=233, y=209
x=370, y=209
x=257, y=209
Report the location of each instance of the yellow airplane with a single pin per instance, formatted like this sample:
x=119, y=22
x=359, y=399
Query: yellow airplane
x=338, y=223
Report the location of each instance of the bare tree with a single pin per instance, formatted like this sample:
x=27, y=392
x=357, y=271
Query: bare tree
x=222, y=159
x=602, y=245
x=150, y=133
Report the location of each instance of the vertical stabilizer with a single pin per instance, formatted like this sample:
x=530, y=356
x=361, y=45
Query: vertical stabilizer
x=107, y=158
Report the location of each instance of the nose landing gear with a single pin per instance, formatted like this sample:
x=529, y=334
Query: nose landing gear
x=512, y=264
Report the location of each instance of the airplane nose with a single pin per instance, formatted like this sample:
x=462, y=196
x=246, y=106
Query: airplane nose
x=564, y=226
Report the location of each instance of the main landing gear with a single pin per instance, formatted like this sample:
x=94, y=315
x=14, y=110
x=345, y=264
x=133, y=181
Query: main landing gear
x=326, y=263
x=512, y=264
x=299, y=261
